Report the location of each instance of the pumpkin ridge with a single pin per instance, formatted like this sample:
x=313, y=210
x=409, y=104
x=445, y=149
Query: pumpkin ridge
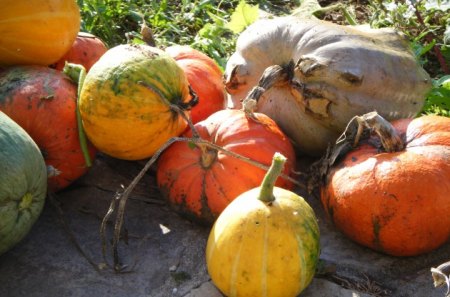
x=235, y=265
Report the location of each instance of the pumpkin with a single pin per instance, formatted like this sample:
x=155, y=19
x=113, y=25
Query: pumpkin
x=131, y=101
x=23, y=183
x=43, y=102
x=395, y=200
x=265, y=242
x=37, y=31
x=205, y=78
x=200, y=181
x=86, y=50
x=333, y=73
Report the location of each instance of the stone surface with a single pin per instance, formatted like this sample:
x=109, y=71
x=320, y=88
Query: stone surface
x=163, y=254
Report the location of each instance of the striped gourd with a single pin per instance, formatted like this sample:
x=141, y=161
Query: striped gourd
x=129, y=99
x=265, y=243
x=37, y=32
x=23, y=183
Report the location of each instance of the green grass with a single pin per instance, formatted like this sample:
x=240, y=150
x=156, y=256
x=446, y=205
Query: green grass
x=204, y=25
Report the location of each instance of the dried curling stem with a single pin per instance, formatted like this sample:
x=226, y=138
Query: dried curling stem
x=121, y=197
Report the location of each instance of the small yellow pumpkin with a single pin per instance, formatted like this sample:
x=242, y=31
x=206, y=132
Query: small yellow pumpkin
x=37, y=31
x=265, y=243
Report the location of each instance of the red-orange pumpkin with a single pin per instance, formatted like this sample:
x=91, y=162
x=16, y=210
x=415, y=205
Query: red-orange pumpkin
x=205, y=78
x=395, y=202
x=86, y=50
x=200, y=182
x=43, y=101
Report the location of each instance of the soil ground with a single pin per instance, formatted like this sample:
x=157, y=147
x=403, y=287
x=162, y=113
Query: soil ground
x=163, y=253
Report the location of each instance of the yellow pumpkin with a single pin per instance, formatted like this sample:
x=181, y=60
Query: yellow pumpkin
x=127, y=101
x=37, y=31
x=265, y=242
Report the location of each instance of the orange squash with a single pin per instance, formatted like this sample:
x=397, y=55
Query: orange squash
x=86, y=50
x=43, y=102
x=199, y=182
x=37, y=31
x=395, y=202
x=205, y=78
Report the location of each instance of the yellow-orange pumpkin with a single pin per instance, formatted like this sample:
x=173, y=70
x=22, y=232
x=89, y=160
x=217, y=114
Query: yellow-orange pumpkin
x=37, y=31
x=127, y=101
x=395, y=202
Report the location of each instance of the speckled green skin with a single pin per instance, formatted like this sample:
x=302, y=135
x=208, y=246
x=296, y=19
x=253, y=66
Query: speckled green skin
x=23, y=183
x=125, y=101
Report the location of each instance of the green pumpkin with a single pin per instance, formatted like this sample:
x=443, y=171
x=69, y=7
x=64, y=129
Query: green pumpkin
x=23, y=183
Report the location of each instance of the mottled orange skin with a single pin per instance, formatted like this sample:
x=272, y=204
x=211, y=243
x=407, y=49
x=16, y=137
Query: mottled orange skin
x=43, y=101
x=205, y=78
x=396, y=203
x=86, y=50
x=202, y=192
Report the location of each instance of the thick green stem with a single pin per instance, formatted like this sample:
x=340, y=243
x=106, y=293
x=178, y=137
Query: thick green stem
x=78, y=73
x=266, y=189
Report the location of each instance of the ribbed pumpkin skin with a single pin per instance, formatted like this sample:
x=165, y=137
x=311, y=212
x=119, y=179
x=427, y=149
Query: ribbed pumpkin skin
x=43, y=101
x=37, y=31
x=122, y=111
x=396, y=203
x=255, y=249
x=86, y=50
x=205, y=78
x=202, y=191
x=23, y=183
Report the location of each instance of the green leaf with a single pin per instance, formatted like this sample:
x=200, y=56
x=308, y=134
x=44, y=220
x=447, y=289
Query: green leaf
x=438, y=99
x=243, y=16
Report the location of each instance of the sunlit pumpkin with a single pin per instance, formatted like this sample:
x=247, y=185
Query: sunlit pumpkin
x=199, y=181
x=395, y=202
x=37, y=31
x=86, y=50
x=265, y=243
x=43, y=101
x=205, y=78
x=128, y=98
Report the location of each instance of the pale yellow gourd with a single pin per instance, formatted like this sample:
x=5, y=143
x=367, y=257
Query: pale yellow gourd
x=265, y=243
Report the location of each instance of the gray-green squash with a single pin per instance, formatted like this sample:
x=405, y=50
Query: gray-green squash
x=332, y=73
x=23, y=183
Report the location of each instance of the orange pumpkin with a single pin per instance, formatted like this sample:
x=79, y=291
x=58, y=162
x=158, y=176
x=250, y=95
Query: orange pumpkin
x=37, y=31
x=395, y=202
x=43, y=101
x=86, y=50
x=205, y=78
x=200, y=182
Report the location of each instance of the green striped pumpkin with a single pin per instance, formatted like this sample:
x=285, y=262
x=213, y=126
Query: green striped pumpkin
x=265, y=243
x=23, y=183
x=126, y=101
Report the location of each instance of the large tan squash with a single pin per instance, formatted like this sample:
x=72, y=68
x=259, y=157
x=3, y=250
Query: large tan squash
x=339, y=72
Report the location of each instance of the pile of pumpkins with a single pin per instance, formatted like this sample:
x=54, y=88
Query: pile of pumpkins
x=135, y=98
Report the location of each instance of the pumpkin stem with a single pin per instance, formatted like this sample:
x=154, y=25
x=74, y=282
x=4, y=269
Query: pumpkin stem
x=391, y=141
x=77, y=73
x=266, y=189
x=208, y=155
x=275, y=75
